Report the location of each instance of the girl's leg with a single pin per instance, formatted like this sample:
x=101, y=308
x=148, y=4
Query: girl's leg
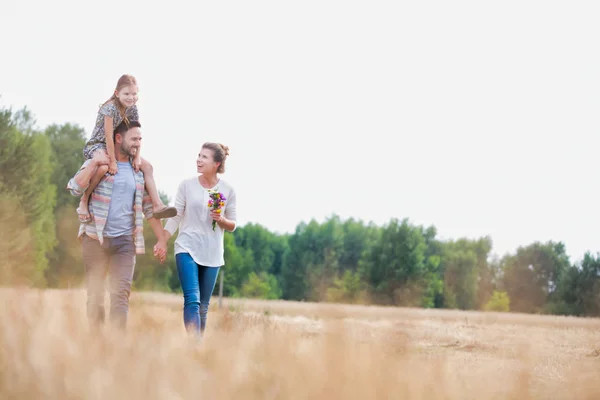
x=160, y=211
x=101, y=170
x=83, y=211
x=208, y=278
x=187, y=270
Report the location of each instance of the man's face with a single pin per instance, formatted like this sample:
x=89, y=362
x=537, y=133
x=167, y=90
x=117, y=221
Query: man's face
x=131, y=141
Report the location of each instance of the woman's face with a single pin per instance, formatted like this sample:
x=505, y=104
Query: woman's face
x=205, y=162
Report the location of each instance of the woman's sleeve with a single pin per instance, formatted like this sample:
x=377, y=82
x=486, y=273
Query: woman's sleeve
x=173, y=223
x=231, y=206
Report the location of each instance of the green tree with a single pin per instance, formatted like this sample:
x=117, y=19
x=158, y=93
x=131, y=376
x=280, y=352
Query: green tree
x=464, y=262
x=356, y=239
x=578, y=291
x=65, y=262
x=25, y=173
x=67, y=142
x=396, y=266
x=238, y=264
x=17, y=244
x=312, y=261
x=530, y=276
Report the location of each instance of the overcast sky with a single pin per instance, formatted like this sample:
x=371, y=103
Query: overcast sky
x=478, y=117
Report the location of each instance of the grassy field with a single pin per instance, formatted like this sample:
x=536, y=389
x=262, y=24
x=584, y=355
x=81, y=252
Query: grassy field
x=288, y=350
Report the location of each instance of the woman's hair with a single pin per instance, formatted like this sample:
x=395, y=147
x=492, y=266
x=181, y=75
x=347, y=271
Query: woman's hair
x=124, y=80
x=220, y=153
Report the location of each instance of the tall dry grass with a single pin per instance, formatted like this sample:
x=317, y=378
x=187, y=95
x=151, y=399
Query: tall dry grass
x=281, y=350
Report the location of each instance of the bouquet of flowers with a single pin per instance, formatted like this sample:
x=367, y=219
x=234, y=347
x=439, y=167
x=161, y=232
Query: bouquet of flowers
x=216, y=202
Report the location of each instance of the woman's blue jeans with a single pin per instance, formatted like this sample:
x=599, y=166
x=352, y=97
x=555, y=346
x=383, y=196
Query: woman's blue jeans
x=197, y=283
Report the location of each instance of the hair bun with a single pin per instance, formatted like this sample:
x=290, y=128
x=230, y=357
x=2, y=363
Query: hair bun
x=225, y=149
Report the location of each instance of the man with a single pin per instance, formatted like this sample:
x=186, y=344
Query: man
x=112, y=239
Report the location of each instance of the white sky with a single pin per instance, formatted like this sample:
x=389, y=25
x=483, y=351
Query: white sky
x=478, y=117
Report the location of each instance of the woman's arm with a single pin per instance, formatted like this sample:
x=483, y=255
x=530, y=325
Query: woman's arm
x=173, y=223
x=160, y=249
x=226, y=224
x=228, y=220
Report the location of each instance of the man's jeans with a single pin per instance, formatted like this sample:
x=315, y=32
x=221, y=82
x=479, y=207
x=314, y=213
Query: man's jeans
x=115, y=256
x=197, y=284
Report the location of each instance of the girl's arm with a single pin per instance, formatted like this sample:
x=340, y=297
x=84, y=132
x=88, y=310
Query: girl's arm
x=110, y=144
x=137, y=161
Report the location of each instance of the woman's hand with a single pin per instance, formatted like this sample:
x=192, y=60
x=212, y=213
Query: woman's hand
x=222, y=222
x=216, y=216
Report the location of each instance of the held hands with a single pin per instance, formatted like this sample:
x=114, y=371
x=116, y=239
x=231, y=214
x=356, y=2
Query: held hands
x=160, y=250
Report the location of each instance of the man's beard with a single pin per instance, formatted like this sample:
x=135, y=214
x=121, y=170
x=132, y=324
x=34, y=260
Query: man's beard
x=129, y=152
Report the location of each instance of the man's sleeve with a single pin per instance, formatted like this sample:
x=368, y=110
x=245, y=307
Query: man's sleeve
x=73, y=186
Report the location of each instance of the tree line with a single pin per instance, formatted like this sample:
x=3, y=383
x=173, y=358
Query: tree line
x=350, y=261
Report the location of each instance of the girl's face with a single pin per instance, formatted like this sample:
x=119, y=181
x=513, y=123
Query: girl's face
x=206, y=163
x=128, y=95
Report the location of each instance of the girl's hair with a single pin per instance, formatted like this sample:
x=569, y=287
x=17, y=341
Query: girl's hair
x=124, y=80
x=220, y=153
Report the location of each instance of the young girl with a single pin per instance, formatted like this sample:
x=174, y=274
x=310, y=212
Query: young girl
x=120, y=107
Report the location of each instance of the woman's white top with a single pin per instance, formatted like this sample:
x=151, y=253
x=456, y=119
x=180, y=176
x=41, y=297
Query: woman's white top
x=193, y=220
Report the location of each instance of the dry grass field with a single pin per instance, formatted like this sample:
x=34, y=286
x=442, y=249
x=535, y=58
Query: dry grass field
x=286, y=350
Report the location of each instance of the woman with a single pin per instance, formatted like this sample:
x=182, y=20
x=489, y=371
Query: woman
x=199, y=248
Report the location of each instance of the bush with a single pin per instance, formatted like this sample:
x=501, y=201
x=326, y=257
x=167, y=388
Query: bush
x=498, y=302
x=262, y=286
x=348, y=289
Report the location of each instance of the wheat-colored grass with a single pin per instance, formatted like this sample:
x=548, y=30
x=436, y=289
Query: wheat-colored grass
x=289, y=350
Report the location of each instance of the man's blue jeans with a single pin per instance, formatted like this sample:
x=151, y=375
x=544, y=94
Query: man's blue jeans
x=197, y=283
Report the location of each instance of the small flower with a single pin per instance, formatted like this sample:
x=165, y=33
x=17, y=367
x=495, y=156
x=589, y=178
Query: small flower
x=216, y=203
